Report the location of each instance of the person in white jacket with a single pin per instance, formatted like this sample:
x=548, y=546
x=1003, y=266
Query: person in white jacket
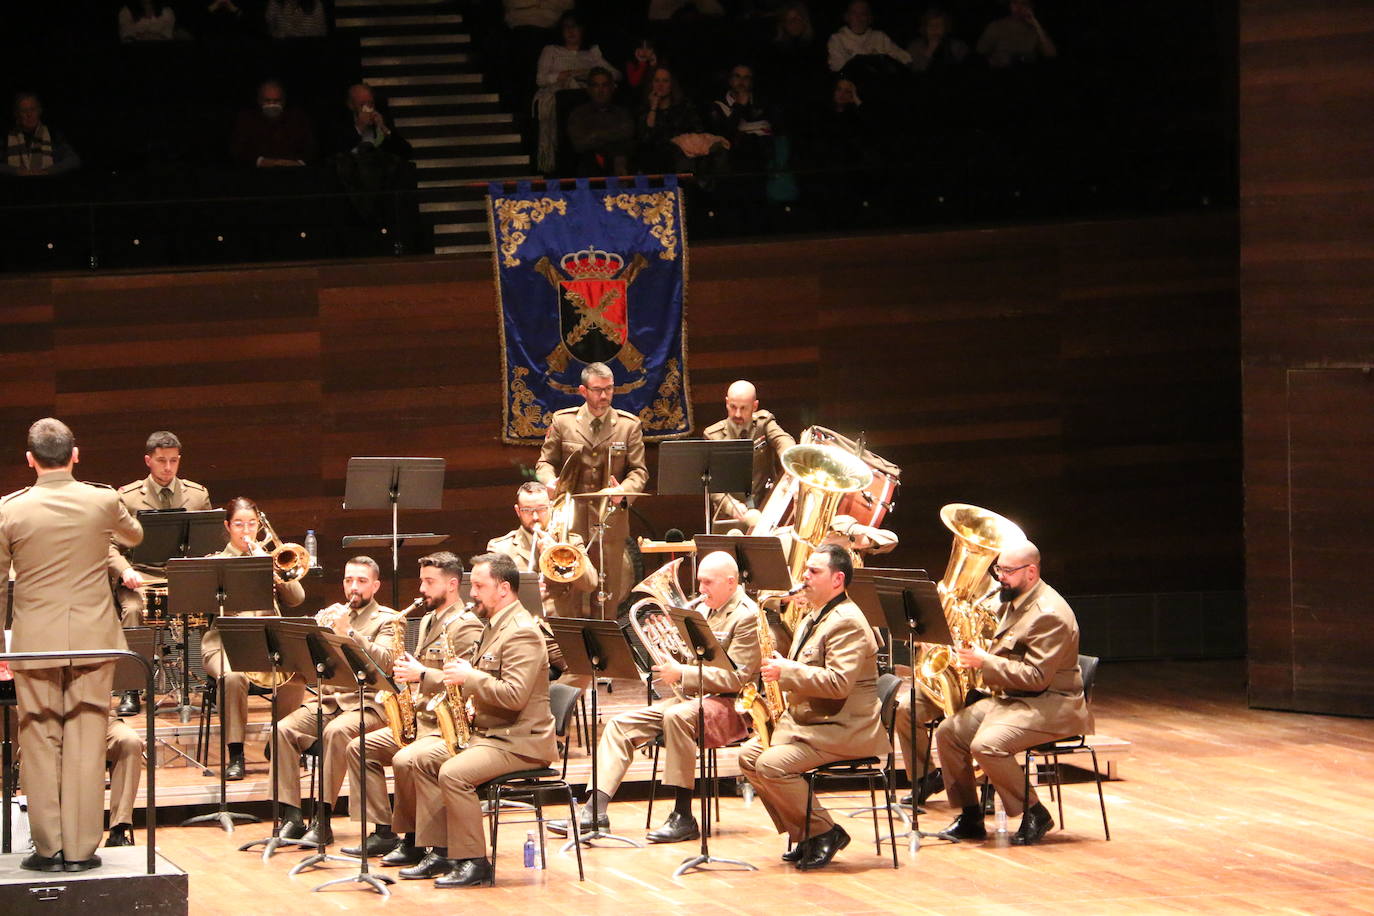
x=857, y=38
x=562, y=66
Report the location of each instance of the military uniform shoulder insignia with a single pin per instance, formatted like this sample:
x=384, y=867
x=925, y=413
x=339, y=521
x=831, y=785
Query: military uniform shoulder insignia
x=565, y=411
x=192, y=485
x=626, y=414
x=132, y=487
x=9, y=496
x=92, y=483
x=762, y=416
x=716, y=427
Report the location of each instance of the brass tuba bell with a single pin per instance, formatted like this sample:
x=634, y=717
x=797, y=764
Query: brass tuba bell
x=824, y=475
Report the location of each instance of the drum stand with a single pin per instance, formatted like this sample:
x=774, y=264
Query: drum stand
x=179, y=676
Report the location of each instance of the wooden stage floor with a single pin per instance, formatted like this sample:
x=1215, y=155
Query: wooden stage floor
x=1220, y=809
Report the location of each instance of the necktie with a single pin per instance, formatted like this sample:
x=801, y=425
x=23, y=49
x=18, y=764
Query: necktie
x=166, y=497
x=596, y=426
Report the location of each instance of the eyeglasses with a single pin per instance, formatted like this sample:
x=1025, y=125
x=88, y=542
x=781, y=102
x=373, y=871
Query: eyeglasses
x=530, y=510
x=607, y=390
x=1000, y=571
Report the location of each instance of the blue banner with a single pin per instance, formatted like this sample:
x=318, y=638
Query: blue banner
x=588, y=276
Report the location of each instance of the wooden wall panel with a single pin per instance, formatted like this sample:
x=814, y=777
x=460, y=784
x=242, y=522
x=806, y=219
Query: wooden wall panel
x=1081, y=378
x=1307, y=274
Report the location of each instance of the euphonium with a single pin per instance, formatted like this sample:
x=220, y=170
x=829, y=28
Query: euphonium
x=764, y=707
x=651, y=623
x=454, y=714
x=562, y=561
x=398, y=703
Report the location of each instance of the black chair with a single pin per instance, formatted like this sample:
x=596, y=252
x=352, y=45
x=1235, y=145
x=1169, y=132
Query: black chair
x=712, y=778
x=530, y=785
x=871, y=769
x=1073, y=745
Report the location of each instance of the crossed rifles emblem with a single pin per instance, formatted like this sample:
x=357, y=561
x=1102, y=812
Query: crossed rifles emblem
x=593, y=308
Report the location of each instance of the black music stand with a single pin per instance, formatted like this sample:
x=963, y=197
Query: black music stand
x=760, y=557
x=696, y=633
x=705, y=466
x=228, y=585
x=863, y=593
x=912, y=604
x=593, y=649
x=395, y=483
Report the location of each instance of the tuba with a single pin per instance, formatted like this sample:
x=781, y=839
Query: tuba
x=651, y=623
x=289, y=561
x=562, y=561
x=967, y=596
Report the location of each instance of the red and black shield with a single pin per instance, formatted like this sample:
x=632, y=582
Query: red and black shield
x=594, y=318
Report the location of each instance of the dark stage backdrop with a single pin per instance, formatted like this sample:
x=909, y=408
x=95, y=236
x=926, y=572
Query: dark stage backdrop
x=1307, y=281
x=1082, y=379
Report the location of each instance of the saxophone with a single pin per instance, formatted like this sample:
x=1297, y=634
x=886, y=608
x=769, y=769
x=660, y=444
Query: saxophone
x=398, y=703
x=454, y=714
x=764, y=707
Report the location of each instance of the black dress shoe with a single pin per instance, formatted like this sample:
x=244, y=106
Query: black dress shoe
x=431, y=866
x=35, y=862
x=678, y=828
x=965, y=827
x=129, y=704
x=121, y=835
x=584, y=820
x=321, y=833
x=292, y=829
x=824, y=847
x=405, y=853
x=82, y=865
x=798, y=852
x=235, y=769
x=467, y=873
x=376, y=845
x=1035, y=823
x=933, y=783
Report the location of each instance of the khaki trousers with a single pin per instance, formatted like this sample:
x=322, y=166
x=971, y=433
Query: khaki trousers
x=428, y=749
x=123, y=748
x=233, y=694
x=63, y=717
x=452, y=789
x=298, y=731
x=775, y=774
x=914, y=754
x=973, y=733
x=676, y=722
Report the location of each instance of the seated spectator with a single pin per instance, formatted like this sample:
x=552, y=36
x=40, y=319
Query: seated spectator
x=272, y=135
x=794, y=63
x=935, y=49
x=32, y=148
x=369, y=154
x=743, y=122
x=839, y=152
x=602, y=132
x=530, y=25
x=857, y=38
x=1017, y=38
x=562, y=68
x=639, y=66
x=664, y=114
x=147, y=20
x=295, y=18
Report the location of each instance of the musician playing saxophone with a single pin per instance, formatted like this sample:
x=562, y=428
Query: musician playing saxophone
x=380, y=632
x=393, y=838
x=733, y=617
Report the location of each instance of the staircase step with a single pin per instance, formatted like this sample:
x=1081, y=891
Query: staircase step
x=363, y=4
x=465, y=184
x=388, y=41
x=471, y=162
x=415, y=60
x=463, y=249
x=441, y=102
x=398, y=22
x=453, y=206
x=443, y=79
x=468, y=120
x=471, y=140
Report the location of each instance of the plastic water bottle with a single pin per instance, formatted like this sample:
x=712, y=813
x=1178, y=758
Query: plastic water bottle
x=312, y=547
x=1001, y=838
x=531, y=851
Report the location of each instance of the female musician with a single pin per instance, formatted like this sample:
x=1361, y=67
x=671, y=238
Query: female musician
x=243, y=523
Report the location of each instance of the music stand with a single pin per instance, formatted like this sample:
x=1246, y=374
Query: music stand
x=593, y=649
x=696, y=633
x=688, y=466
x=762, y=563
x=395, y=483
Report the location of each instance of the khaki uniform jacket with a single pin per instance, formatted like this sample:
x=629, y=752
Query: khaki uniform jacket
x=770, y=441
x=1035, y=665
x=57, y=534
x=509, y=686
x=617, y=450
x=143, y=495
x=377, y=630
x=457, y=625
x=735, y=625
x=291, y=594
x=563, y=597
x=832, y=701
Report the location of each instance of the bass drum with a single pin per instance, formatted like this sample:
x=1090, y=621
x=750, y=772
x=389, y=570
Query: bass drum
x=868, y=505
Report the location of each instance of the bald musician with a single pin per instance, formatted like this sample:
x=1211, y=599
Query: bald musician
x=1032, y=670
x=744, y=420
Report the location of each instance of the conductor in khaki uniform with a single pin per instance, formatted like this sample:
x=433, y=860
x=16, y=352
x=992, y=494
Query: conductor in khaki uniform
x=56, y=534
x=1032, y=667
x=161, y=489
x=373, y=629
x=606, y=449
x=446, y=621
x=830, y=681
x=505, y=676
x=744, y=420
x=733, y=618
x=561, y=599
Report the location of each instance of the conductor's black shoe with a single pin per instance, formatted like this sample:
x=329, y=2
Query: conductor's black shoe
x=129, y=704
x=678, y=828
x=965, y=827
x=82, y=865
x=584, y=820
x=321, y=833
x=35, y=862
x=824, y=847
x=466, y=873
x=293, y=828
x=405, y=853
x=235, y=769
x=431, y=866
x=376, y=845
x=1035, y=823
x=121, y=835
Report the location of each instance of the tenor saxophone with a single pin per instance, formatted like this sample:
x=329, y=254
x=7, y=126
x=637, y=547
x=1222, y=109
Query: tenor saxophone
x=453, y=712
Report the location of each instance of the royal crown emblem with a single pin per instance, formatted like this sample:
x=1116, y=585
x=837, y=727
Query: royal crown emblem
x=593, y=307
x=591, y=264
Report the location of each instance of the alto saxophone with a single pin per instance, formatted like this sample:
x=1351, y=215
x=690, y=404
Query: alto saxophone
x=764, y=707
x=453, y=712
x=398, y=703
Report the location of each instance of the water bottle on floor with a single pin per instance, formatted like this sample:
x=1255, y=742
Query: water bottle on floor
x=531, y=851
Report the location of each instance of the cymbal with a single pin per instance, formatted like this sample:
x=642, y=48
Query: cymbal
x=600, y=493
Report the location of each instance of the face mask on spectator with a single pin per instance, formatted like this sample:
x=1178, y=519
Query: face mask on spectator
x=272, y=109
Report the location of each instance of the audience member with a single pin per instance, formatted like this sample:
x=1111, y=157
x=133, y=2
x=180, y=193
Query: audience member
x=147, y=20
x=837, y=152
x=857, y=38
x=272, y=135
x=743, y=122
x=562, y=67
x=529, y=27
x=935, y=49
x=793, y=68
x=602, y=132
x=32, y=148
x=295, y=18
x=641, y=64
x=665, y=114
x=1017, y=38
x=369, y=154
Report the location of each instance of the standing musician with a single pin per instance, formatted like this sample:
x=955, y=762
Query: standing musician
x=441, y=574
x=57, y=535
x=733, y=617
x=1032, y=665
x=744, y=420
x=380, y=632
x=243, y=521
x=561, y=599
x=830, y=679
x=504, y=674
x=607, y=448
x=161, y=489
